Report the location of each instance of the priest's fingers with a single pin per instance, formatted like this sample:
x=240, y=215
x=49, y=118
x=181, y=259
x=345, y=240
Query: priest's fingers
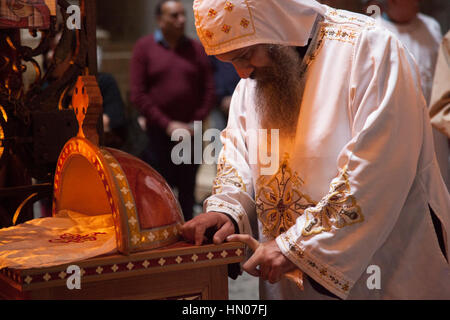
x=199, y=234
x=274, y=275
x=224, y=231
x=245, y=238
x=265, y=270
x=194, y=230
x=188, y=231
x=251, y=266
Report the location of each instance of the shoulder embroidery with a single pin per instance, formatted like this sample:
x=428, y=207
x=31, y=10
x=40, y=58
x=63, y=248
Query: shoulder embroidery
x=334, y=32
x=343, y=34
x=279, y=201
x=343, y=26
x=337, y=209
x=342, y=16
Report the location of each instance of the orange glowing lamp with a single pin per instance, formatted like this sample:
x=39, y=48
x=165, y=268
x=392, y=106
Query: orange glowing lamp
x=95, y=181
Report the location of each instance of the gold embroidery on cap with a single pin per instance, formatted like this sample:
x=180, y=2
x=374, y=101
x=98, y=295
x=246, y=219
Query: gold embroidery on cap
x=229, y=6
x=212, y=40
x=226, y=28
x=245, y=23
x=212, y=13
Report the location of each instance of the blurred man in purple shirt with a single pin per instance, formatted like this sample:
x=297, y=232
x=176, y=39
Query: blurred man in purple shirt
x=172, y=85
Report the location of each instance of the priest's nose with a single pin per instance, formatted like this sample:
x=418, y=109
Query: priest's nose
x=245, y=73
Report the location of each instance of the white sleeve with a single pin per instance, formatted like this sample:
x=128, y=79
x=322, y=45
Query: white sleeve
x=334, y=241
x=233, y=186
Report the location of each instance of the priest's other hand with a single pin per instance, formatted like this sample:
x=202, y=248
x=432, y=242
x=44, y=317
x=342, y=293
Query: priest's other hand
x=194, y=230
x=273, y=264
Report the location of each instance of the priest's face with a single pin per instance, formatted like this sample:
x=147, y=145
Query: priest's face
x=247, y=60
x=276, y=70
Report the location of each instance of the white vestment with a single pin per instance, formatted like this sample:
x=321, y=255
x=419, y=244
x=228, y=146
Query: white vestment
x=354, y=189
x=422, y=37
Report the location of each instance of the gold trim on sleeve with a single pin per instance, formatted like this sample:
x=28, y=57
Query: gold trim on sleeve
x=311, y=265
x=337, y=209
x=227, y=175
x=214, y=205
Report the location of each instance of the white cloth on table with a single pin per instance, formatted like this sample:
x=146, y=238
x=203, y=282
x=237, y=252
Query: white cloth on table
x=65, y=238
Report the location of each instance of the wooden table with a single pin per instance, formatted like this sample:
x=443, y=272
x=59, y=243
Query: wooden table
x=181, y=271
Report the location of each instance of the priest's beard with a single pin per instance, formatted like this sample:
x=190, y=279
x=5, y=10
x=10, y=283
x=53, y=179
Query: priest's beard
x=278, y=94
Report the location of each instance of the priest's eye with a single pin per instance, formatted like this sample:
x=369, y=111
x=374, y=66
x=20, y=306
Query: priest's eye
x=247, y=55
x=244, y=57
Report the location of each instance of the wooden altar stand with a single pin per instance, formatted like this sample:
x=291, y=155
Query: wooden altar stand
x=178, y=272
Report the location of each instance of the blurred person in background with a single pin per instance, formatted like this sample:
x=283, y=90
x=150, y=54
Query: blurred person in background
x=172, y=85
x=422, y=36
x=440, y=98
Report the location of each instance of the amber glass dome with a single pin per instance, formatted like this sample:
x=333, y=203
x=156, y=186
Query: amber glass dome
x=94, y=181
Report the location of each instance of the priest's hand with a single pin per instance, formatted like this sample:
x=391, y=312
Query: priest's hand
x=194, y=230
x=272, y=263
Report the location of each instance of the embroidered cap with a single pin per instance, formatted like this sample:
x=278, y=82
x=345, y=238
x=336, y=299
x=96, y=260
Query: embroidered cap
x=226, y=25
